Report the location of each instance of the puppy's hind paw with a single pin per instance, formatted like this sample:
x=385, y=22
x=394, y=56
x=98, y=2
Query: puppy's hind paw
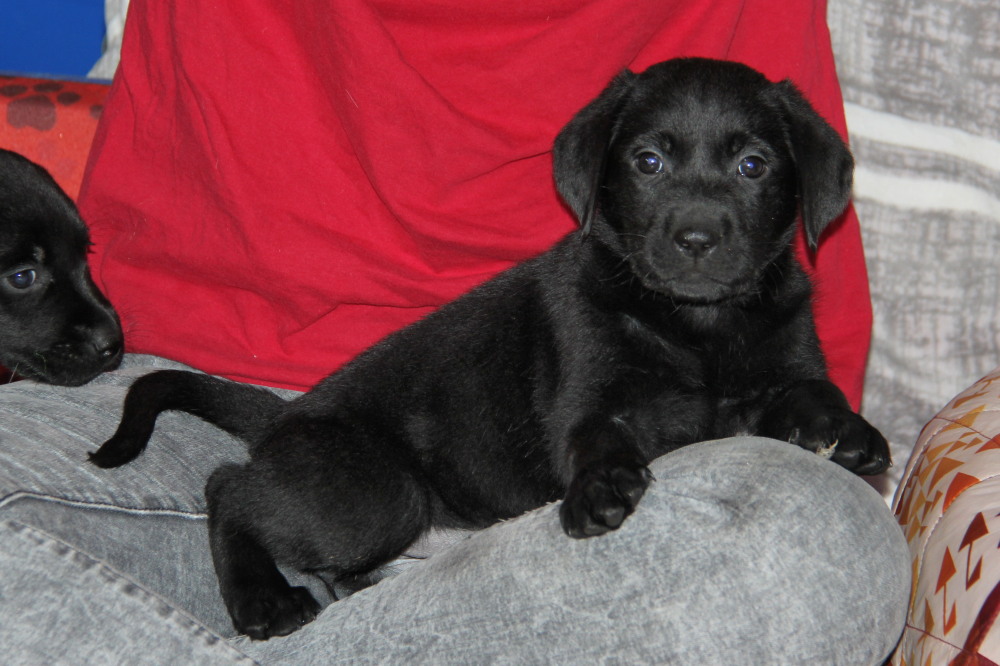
x=264, y=614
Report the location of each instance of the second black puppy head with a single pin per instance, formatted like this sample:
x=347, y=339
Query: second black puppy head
x=55, y=324
x=654, y=123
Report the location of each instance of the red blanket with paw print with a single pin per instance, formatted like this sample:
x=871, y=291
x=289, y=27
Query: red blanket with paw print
x=274, y=186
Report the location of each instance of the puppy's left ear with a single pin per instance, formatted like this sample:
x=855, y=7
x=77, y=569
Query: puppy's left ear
x=824, y=163
x=580, y=152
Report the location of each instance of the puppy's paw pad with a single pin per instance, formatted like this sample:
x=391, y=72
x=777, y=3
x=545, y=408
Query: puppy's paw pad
x=264, y=614
x=599, y=499
x=847, y=439
x=866, y=453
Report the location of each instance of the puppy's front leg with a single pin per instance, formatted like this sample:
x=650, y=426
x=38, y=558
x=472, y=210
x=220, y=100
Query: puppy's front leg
x=815, y=415
x=609, y=478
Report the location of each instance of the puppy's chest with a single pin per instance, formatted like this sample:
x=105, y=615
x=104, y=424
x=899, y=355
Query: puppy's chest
x=691, y=389
x=728, y=363
x=719, y=384
x=671, y=410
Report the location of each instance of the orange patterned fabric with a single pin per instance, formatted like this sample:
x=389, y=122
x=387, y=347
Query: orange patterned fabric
x=949, y=506
x=51, y=122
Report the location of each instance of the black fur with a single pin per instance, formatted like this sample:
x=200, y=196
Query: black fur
x=55, y=325
x=678, y=313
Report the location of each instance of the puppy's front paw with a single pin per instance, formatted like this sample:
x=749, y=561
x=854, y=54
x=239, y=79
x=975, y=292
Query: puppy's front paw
x=263, y=613
x=847, y=439
x=600, y=497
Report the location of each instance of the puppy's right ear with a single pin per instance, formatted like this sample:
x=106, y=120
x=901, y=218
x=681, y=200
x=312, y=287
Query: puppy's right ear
x=580, y=152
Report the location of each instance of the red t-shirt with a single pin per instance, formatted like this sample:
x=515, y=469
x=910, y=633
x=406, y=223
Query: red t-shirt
x=275, y=186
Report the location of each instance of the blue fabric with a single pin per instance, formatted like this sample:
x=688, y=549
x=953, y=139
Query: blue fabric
x=59, y=38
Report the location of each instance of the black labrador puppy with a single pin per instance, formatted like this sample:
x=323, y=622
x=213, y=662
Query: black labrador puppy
x=55, y=324
x=677, y=313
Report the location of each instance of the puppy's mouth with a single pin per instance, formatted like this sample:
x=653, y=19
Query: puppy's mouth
x=698, y=289
x=693, y=258
x=700, y=283
x=64, y=366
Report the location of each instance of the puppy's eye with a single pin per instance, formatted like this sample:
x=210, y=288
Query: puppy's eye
x=649, y=163
x=752, y=166
x=22, y=279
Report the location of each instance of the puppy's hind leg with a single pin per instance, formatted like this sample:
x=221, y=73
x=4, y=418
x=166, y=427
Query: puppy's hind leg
x=260, y=601
x=326, y=498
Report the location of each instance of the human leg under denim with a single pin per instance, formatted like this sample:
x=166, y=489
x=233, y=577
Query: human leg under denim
x=275, y=186
x=743, y=551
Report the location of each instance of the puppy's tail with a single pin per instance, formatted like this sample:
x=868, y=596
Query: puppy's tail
x=239, y=409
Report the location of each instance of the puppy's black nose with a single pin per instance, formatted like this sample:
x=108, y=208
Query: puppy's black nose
x=110, y=349
x=107, y=343
x=696, y=242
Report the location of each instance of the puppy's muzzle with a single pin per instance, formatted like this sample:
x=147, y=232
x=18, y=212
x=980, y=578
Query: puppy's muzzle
x=695, y=230
x=688, y=253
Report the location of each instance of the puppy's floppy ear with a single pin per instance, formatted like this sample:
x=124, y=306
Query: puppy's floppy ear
x=824, y=163
x=580, y=152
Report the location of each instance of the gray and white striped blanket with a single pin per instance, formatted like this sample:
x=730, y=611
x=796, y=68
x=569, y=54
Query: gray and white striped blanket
x=921, y=83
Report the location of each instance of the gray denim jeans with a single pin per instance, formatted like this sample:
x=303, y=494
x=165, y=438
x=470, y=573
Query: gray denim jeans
x=743, y=551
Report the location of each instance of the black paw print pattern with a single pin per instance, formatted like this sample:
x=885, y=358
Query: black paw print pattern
x=52, y=122
x=36, y=103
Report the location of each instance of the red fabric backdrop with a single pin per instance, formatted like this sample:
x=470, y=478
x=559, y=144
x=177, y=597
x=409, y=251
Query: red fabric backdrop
x=274, y=186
